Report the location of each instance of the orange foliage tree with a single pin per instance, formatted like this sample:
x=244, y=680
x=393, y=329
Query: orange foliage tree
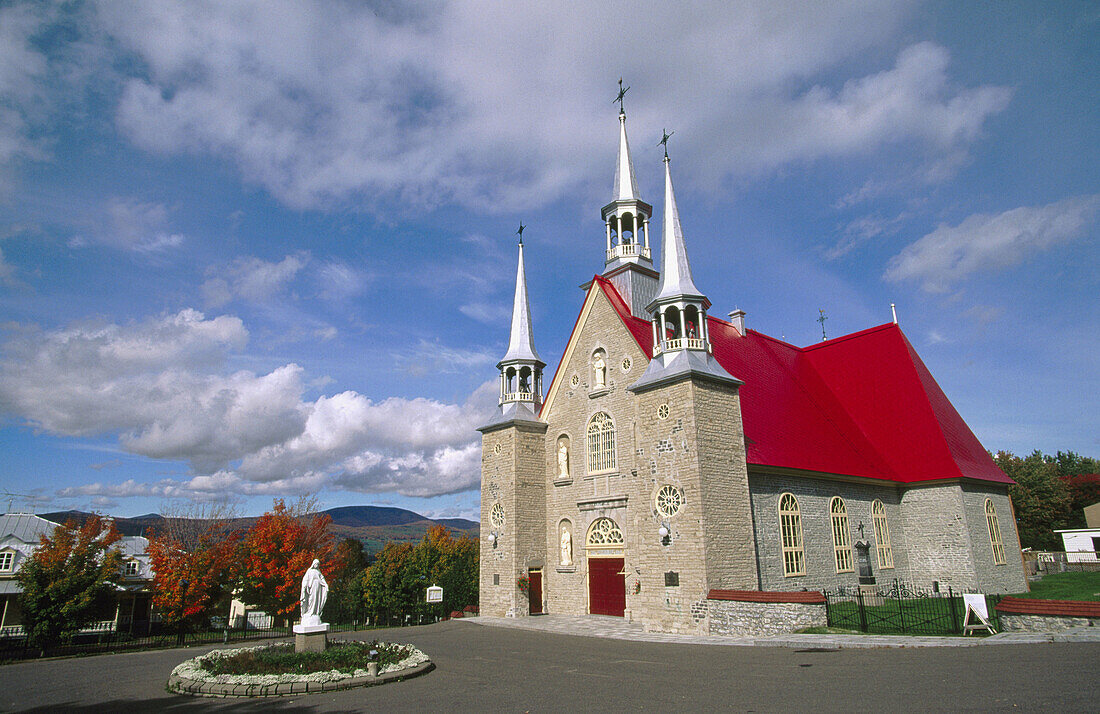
x=276, y=552
x=192, y=560
x=69, y=579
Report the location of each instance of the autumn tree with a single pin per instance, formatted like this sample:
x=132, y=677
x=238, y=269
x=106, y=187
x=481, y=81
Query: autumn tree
x=345, y=601
x=399, y=578
x=192, y=554
x=277, y=550
x=69, y=579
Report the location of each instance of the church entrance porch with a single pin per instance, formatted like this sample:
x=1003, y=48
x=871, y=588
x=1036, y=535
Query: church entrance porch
x=606, y=586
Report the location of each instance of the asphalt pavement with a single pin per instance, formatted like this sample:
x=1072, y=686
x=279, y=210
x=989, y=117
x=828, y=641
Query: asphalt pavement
x=509, y=669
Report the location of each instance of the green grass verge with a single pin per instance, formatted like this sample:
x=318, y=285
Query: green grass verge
x=1066, y=586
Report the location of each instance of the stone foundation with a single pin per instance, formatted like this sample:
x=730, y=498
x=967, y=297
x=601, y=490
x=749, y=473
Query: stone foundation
x=1044, y=623
x=1028, y=615
x=750, y=613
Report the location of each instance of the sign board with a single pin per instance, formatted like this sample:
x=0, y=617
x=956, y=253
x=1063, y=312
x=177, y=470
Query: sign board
x=976, y=602
x=976, y=610
x=435, y=594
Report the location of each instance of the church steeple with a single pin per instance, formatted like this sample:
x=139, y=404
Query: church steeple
x=521, y=368
x=681, y=337
x=628, y=261
x=626, y=218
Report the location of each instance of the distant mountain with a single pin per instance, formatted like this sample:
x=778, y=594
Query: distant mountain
x=374, y=526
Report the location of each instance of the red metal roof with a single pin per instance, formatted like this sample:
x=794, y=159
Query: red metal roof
x=859, y=405
x=1062, y=608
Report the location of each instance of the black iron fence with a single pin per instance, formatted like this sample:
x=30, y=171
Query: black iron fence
x=900, y=609
x=139, y=635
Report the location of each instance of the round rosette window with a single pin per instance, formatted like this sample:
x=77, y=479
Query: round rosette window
x=669, y=501
x=496, y=516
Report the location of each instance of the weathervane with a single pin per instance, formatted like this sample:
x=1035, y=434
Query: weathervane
x=622, y=93
x=664, y=140
x=822, y=320
x=520, y=232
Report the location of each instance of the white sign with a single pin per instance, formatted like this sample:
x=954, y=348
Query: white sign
x=435, y=594
x=976, y=602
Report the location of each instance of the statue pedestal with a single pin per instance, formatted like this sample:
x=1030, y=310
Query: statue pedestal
x=311, y=638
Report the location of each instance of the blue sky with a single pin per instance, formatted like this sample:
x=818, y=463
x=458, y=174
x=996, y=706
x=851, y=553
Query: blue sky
x=253, y=250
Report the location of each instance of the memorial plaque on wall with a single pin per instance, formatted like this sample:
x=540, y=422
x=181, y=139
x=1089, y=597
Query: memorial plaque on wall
x=672, y=579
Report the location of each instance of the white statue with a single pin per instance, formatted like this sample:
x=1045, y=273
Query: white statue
x=563, y=459
x=601, y=370
x=314, y=594
x=566, y=546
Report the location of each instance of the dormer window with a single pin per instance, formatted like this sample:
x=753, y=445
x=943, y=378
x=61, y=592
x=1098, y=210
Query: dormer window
x=7, y=561
x=130, y=568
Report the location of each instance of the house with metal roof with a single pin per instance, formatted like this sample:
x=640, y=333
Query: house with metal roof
x=681, y=463
x=21, y=533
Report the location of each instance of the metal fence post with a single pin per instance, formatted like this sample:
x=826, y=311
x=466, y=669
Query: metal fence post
x=956, y=627
x=862, y=611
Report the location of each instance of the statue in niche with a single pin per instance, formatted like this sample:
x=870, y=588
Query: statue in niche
x=566, y=546
x=563, y=459
x=600, y=369
x=314, y=594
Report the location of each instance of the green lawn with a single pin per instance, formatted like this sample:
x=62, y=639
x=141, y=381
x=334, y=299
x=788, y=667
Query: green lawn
x=1066, y=586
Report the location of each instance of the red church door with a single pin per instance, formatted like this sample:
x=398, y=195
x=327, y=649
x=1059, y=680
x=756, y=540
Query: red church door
x=534, y=592
x=606, y=586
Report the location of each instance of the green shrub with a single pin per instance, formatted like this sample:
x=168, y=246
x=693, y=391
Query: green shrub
x=282, y=659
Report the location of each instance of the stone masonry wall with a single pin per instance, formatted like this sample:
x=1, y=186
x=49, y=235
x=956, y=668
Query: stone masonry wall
x=512, y=478
x=728, y=617
x=1044, y=623
x=992, y=578
x=940, y=547
x=814, y=496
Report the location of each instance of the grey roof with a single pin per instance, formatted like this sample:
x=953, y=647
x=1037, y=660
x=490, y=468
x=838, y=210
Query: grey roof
x=514, y=413
x=676, y=279
x=521, y=341
x=10, y=587
x=673, y=366
x=133, y=545
x=626, y=186
x=27, y=527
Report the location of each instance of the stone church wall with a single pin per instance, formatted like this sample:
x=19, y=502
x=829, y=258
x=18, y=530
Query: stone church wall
x=761, y=619
x=993, y=578
x=813, y=496
x=939, y=537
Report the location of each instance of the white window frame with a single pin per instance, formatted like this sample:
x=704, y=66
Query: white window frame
x=7, y=561
x=131, y=569
x=600, y=440
x=842, y=536
x=790, y=536
x=882, y=535
x=995, y=541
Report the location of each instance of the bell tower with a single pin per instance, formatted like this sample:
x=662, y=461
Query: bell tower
x=628, y=260
x=513, y=452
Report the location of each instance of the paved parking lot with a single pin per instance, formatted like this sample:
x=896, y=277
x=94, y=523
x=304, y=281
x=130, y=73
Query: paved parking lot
x=482, y=668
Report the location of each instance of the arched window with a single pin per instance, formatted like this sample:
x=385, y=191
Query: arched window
x=790, y=536
x=601, y=443
x=842, y=536
x=604, y=534
x=994, y=533
x=882, y=535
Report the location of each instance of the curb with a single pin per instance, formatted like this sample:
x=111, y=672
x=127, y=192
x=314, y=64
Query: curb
x=196, y=688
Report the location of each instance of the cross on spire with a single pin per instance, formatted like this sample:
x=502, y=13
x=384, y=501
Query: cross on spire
x=622, y=93
x=822, y=320
x=520, y=232
x=665, y=135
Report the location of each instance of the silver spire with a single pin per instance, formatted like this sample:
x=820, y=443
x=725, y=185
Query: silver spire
x=626, y=186
x=521, y=341
x=675, y=269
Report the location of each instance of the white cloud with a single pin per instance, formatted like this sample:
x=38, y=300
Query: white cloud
x=131, y=224
x=160, y=386
x=22, y=70
x=985, y=242
x=251, y=279
x=332, y=103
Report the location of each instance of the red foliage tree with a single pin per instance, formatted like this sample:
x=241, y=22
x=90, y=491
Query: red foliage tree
x=192, y=561
x=277, y=551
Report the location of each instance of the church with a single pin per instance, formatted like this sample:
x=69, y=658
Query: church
x=680, y=463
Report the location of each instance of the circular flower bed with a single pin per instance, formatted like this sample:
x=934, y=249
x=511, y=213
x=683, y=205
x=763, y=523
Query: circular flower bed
x=278, y=671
